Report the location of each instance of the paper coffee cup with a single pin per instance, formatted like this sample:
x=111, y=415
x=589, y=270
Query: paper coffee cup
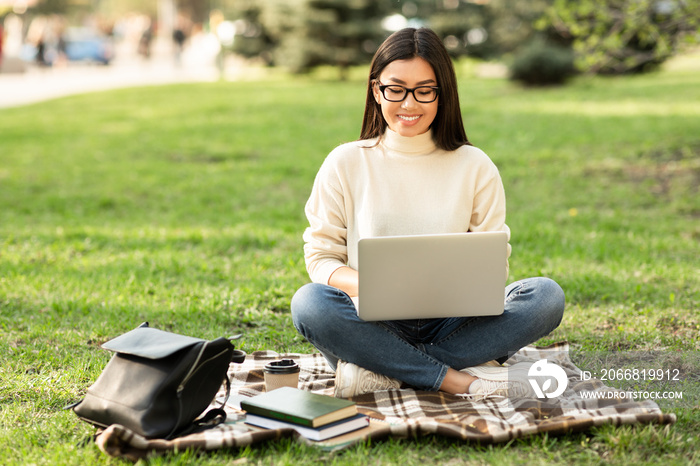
x=282, y=373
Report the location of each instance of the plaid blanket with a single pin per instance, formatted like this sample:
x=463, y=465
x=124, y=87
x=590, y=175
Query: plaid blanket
x=407, y=412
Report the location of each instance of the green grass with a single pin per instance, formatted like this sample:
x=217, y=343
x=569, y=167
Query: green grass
x=183, y=206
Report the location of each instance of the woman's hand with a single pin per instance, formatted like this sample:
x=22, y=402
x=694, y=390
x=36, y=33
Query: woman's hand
x=346, y=279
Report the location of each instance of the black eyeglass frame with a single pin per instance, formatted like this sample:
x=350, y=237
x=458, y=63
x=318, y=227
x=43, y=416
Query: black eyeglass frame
x=408, y=90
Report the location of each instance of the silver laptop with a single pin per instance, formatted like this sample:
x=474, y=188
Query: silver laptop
x=431, y=276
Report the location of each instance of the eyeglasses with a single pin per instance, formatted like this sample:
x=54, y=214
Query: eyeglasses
x=396, y=93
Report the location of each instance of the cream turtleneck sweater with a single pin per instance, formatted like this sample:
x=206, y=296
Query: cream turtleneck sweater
x=401, y=186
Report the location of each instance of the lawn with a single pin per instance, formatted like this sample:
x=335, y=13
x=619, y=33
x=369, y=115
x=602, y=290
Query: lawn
x=183, y=206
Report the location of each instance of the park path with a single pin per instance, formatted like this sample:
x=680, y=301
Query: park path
x=127, y=70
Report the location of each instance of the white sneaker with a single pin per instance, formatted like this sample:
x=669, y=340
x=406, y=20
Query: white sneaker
x=500, y=382
x=351, y=380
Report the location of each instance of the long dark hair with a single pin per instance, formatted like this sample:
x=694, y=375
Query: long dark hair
x=448, y=128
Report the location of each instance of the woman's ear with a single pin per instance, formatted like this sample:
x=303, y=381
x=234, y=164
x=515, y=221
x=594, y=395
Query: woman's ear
x=376, y=92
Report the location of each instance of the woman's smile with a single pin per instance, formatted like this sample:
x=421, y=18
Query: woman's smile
x=408, y=118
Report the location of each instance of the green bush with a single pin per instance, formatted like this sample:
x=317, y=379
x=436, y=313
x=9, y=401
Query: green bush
x=541, y=63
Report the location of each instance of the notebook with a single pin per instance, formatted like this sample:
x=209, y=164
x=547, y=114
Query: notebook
x=324, y=432
x=432, y=276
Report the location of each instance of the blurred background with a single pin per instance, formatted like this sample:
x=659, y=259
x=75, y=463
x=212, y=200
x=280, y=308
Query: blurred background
x=534, y=41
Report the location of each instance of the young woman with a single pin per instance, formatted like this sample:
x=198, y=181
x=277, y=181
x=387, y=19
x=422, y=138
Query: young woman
x=413, y=171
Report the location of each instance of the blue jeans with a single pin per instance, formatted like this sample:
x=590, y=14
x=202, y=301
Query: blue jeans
x=419, y=352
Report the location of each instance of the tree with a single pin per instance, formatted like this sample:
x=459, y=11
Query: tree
x=341, y=32
x=464, y=27
x=251, y=38
x=624, y=36
x=513, y=23
x=485, y=28
x=302, y=34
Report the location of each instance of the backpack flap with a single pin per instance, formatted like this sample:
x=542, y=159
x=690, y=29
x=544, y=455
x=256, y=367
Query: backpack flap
x=150, y=343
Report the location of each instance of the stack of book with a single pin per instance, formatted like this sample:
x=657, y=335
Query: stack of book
x=316, y=417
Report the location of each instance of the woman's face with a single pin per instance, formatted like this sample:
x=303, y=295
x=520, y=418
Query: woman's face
x=408, y=117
